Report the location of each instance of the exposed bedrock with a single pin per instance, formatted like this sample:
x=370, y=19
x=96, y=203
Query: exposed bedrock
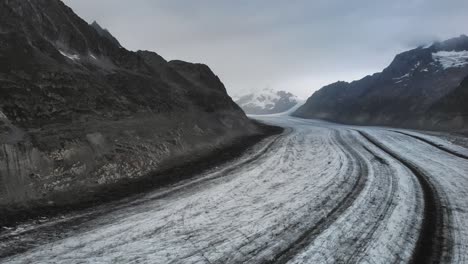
x=78, y=111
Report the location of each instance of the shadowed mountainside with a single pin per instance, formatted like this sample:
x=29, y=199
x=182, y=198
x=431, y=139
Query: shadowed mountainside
x=78, y=111
x=405, y=94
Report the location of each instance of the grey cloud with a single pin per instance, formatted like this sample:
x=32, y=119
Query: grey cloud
x=294, y=45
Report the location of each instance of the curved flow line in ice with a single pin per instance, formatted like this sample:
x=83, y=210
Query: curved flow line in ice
x=460, y=155
x=305, y=239
x=433, y=242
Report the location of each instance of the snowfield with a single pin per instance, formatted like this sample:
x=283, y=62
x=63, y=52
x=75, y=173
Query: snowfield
x=451, y=59
x=318, y=193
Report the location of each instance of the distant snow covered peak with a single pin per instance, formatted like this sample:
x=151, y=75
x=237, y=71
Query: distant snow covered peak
x=267, y=101
x=451, y=59
x=265, y=98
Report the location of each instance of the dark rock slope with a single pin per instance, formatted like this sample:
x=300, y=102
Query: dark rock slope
x=105, y=33
x=78, y=111
x=451, y=111
x=405, y=94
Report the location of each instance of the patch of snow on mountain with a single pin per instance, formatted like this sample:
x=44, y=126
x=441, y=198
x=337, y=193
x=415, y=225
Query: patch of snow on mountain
x=451, y=59
x=417, y=65
x=409, y=74
x=426, y=46
x=70, y=56
x=399, y=79
x=2, y=115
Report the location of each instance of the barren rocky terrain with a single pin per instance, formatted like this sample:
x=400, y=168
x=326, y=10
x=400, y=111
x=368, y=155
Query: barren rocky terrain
x=78, y=112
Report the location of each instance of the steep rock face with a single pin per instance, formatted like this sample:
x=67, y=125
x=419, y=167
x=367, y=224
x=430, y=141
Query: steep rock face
x=401, y=95
x=451, y=111
x=267, y=101
x=78, y=111
x=105, y=33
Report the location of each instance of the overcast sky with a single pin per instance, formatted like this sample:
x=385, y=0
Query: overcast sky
x=297, y=46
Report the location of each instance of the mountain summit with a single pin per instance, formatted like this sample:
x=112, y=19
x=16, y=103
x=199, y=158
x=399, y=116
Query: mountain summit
x=267, y=101
x=105, y=33
x=404, y=94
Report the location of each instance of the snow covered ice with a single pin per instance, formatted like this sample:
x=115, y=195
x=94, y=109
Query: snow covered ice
x=319, y=193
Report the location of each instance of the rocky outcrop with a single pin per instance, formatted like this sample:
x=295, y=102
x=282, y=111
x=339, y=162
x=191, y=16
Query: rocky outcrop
x=451, y=111
x=401, y=95
x=79, y=112
x=105, y=33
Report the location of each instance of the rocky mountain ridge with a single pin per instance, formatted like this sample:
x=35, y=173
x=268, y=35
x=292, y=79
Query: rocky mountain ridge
x=105, y=33
x=404, y=94
x=78, y=111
